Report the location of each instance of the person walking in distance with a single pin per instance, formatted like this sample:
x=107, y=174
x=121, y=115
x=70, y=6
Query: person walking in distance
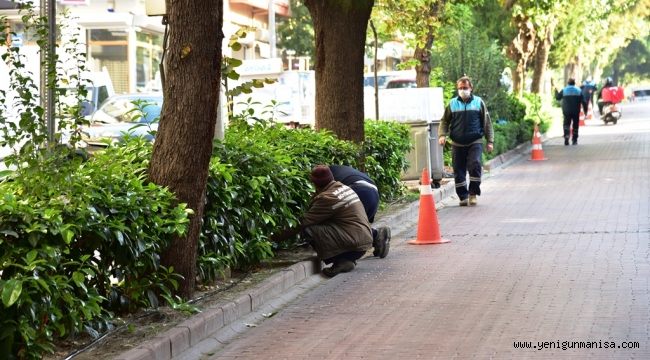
x=466, y=121
x=588, y=89
x=368, y=193
x=571, y=97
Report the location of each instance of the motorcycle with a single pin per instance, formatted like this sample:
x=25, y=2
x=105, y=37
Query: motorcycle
x=611, y=113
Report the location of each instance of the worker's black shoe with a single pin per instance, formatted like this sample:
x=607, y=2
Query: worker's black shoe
x=383, y=242
x=342, y=266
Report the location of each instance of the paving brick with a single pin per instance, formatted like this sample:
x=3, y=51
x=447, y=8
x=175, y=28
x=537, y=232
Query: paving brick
x=160, y=346
x=213, y=319
x=179, y=338
x=197, y=325
x=272, y=288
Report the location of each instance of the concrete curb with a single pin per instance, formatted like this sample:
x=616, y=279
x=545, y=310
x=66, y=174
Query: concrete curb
x=190, y=332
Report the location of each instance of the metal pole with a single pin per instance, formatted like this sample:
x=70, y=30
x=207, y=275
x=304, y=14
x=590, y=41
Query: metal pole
x=51, y=78
x=48, y=66
x=273, y=53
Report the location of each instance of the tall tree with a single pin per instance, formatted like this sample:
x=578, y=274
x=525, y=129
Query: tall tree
x=521, y=48
x=632, y=64
x=545, y=22
x=183, y=146
x=594, y=31
x=340, y=30
x=421, y=20
x=297, y=32
x=535, y=22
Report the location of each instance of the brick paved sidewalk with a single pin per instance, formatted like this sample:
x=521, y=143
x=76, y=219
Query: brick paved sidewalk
x=555, y=254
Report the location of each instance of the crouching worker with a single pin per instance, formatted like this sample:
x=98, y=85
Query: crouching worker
x=368, y=193
x=335, y=224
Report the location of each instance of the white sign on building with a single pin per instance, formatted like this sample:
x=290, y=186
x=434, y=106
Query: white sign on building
x=73, y=2
x=260, y=67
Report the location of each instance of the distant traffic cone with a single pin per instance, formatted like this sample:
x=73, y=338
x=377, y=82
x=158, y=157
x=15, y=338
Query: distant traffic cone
x=538, y=153
x=428, y=228
x=581, y=120
x=590, y=113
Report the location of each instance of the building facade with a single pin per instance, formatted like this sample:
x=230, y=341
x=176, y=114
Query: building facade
x=123, y=41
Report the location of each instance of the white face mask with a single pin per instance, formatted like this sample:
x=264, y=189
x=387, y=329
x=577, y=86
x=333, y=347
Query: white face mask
x=464, y=93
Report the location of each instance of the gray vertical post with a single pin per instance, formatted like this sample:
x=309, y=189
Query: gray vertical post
x=435, y=158
x=272, y=29
x=48, y=66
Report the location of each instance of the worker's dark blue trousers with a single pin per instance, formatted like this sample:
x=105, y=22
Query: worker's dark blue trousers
x=571, y=120
x=467, y=159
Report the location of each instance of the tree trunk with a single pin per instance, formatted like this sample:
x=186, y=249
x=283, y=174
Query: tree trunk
x=572, y=69
x=520, y=49
x=518, y=78
x=423, y=55
x=541, y=58
x=183, y=146
x=423, y=52
x=340, y=32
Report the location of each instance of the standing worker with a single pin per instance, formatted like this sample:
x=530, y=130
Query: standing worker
x=368, y=193
x=466, y=121
x=571, y=97
x=588, y=89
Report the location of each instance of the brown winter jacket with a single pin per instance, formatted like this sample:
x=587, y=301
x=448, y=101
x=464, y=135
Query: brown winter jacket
x=338, y=221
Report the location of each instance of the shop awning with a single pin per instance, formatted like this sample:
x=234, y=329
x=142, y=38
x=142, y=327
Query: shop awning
x=281, y=6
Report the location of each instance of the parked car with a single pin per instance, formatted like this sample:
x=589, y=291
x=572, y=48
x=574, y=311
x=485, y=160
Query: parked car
x=401, y=84
x=641, y=94
x=132, y=114
x=99, y=87
x=384, y=77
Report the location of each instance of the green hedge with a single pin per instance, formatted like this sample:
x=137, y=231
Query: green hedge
x=81, y=240
x=78, y=240
x=259, y=184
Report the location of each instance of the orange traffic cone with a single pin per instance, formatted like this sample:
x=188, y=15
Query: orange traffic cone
x=428, y=228
x=538, y=153
x=590, y=114
x=581, y=119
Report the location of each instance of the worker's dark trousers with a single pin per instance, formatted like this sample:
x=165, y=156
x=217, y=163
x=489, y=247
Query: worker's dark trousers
x=467, y=159
x=571, y=120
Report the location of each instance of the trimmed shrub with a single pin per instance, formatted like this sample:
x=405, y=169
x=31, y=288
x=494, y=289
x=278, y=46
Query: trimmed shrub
x=79, y=239
x=385, y=149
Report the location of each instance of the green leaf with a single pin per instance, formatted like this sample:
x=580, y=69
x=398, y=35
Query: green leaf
x=11, y=292
x=79, y=279
x=9, y=233
x=5, y=173
x=67, y=235
x=31, y=256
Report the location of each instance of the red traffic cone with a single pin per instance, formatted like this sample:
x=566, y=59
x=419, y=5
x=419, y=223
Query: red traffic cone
x=581, y=119
x=590, y=113
x=428, y=228
x=538, y=153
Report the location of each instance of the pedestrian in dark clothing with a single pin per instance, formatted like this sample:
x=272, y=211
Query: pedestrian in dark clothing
x=335, y=224
x=588, y=89
x=571, y=97
x=609, y=82
x=466, y=120
x=368, y=193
